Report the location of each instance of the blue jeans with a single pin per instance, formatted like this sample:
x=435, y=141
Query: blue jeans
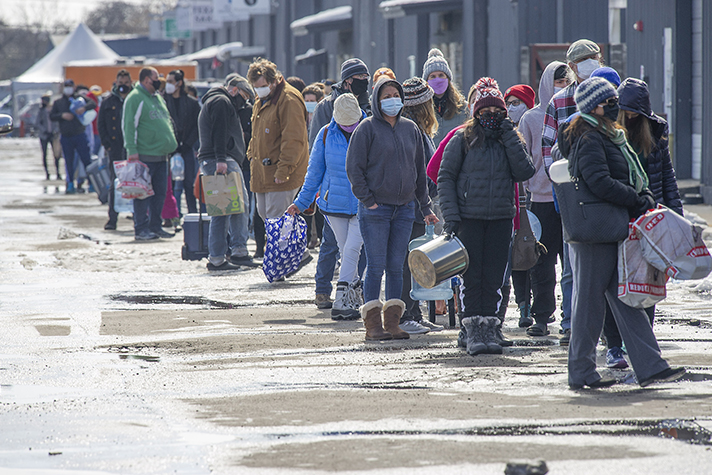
x=385, y=232
x=147, y=212
x=567, y=285
x=236, y=225
x=80, y=145
x=328, y=254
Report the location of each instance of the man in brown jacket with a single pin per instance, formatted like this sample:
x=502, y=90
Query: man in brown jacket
x=278, y=151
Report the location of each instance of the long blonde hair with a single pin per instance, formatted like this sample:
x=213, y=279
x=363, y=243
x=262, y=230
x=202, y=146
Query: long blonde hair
x=455, y=101
x=424, y=116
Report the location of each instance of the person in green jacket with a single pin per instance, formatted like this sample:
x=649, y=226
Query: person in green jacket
x=149, y=138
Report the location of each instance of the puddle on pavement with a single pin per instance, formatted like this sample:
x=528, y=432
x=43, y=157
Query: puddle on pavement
x=205, y=303
x=151, y=359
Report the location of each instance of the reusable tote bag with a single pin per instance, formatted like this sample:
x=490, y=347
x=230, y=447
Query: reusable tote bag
x=286, y=243
x=224, y=194
x=640, y=285
x=134, y=179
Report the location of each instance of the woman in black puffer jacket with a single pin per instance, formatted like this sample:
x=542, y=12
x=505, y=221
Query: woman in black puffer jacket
x=614, y=174
x=480, y=166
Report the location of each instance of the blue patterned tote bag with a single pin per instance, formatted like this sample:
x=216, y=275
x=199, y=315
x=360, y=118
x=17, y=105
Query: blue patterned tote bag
x=286, y=243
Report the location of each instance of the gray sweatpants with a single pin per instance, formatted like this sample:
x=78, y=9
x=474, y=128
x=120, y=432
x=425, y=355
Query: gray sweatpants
x=595, y=270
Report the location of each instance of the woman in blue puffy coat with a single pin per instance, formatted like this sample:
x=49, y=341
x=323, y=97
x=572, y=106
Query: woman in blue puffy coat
x=326, y=175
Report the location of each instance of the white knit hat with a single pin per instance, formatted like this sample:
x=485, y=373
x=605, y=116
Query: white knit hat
x=346, y=110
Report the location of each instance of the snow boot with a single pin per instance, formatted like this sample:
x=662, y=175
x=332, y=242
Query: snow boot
x=354, y=296
x=371, y=314
x=392, y=312
x=475, y=335
x=462, y=338
x=490, y=335
x=342, y=308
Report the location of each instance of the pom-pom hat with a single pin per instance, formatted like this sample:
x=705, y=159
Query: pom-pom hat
x=487, y=94
x=436, y=62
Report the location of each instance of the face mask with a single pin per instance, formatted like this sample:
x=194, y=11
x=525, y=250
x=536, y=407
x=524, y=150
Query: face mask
x=123, y=89
x=516, y=112
x=156, y=84
x=358, y=86
x=170, y=88
x=491, y=120
x=350, y=128
x=311, y=106
x=611, y=112
x=557, y=89
x=586, y=67
x=391, y=106
x=262, y=92
x=68, y=91
x=439, y=85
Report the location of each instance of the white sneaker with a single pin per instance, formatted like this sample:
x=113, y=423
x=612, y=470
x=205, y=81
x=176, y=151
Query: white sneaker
x=413, y=327
x=433, y=327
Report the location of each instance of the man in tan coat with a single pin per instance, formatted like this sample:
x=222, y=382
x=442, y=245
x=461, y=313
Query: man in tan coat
x=278, y=151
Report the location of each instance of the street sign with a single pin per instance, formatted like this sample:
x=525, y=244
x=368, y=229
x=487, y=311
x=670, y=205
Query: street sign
x=171, y=30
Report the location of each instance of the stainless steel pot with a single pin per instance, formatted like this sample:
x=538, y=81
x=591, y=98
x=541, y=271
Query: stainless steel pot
x=438, y=260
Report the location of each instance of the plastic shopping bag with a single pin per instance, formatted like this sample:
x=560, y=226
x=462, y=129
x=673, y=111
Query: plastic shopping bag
x=640, y=285
x=134, y=179
x=673, y=245
x=286, y=243
x=121, y=204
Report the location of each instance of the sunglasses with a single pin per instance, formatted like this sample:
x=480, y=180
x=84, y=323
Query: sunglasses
x=613, y=101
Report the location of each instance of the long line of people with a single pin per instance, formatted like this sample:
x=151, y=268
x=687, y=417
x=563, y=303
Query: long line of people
x=380, y=163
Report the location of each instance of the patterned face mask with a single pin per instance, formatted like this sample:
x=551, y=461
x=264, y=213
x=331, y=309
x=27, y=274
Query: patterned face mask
x=491, y=120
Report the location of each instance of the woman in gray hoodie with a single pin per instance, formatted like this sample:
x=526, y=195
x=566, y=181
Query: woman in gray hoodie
x=385, y=164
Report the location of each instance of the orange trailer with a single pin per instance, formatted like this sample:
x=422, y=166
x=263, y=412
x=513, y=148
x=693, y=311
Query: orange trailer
x=103, y=74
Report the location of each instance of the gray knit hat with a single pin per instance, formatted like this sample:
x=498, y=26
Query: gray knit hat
x=580, y=49
x=416, y=91
x=436, y=62
x=352, y=67
x=592, y=92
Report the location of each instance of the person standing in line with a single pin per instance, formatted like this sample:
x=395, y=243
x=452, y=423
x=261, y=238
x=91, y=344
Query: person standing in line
x=184, y=111
x=611, y=169
x=47, y=131
x=448, y=100
x=73, y=136
x=418, y=107
x=354, y=80
x=476, y=184
x=385, y=164
x=149, y=138
x=327, y=175
x=110, y=134
x=312, y=94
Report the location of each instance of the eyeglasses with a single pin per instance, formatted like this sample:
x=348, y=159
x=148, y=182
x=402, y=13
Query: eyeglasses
x=612, y=102
x=514, y=102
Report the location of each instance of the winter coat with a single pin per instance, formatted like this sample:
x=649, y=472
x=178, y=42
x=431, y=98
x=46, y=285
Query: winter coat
x=184, y=112
x=530, y=126
x=445, y=126
x=219, y=128
x=109, y=121
x=661, y=174
x=386, y=165
x=327, y=175
x=279, y=132
x=146, y=124
x=601, y=165
x=325, y=110
x=68, y=128
x=479, y=183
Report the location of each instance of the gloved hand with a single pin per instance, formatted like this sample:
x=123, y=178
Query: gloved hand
x=451, y=227
x=506, y=125
x=645, y=201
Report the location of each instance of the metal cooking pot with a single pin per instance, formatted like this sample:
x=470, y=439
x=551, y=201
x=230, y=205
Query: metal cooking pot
x=438, y=260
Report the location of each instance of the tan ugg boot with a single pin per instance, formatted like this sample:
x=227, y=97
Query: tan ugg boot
x=392, y=312
x=371, y=314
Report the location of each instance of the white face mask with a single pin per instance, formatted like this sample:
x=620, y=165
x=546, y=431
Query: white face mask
x=68, y=91
x=516, y=112
x=586, y=67
x=262, y=92
x=557, y=89
x=170, y=88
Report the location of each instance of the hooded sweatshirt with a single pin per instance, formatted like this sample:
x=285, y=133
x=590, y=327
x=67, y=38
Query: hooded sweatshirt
x=219, y=128
x=386, y=165
x=530, y=126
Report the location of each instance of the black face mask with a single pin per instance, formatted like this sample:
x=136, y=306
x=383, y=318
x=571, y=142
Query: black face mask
x=237, y=101
x=156, y=84
x=359, y=86
x=123, y=89
x=611, y=112
x=491, y=120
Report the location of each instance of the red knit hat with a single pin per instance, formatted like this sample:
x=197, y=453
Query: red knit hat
x=522, y=92
x=487, y=94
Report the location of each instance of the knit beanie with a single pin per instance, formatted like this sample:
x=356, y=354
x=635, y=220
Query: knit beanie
x=346, y=110
x=436, y=62
x=609, y=74
x=523, y=92
x=416, y=91
x=383, y=72
x=487, y=94
x=352, y=67
x=592, y=92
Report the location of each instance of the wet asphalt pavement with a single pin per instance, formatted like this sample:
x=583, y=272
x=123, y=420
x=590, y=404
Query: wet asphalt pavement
x=119, y=357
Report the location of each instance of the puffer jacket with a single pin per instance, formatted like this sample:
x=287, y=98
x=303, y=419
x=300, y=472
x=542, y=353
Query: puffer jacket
x=601, y=165
x=327, y=175
x=479, y=183
x=634, y=96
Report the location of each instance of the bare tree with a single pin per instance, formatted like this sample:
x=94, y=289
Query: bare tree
x=122, y=17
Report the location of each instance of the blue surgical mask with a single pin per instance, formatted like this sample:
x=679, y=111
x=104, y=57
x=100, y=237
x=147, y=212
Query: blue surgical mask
x=311, y=106
x=391, y=106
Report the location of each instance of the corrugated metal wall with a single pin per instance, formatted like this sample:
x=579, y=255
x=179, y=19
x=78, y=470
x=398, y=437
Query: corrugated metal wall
x=706, y=101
